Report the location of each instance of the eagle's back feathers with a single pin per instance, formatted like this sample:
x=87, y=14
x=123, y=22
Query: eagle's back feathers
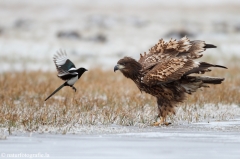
x=167, y=71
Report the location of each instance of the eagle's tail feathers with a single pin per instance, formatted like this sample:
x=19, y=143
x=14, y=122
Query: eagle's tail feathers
x=206, y=65
x=192, y=83
x=209, y=46
x=212, y=80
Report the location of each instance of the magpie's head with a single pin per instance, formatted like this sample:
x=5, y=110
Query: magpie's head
x=82, y=70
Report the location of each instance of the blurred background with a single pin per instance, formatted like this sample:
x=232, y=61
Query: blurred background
x=98, y=33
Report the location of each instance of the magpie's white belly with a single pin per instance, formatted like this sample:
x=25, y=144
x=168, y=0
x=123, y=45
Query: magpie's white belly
x=72, y=80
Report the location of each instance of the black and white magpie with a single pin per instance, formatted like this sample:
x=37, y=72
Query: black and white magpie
x=66, y=71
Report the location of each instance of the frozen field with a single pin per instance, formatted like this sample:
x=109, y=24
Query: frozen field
x=96, y=34
x=203, y=140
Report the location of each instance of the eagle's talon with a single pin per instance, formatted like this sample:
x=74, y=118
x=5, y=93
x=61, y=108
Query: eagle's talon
x=161, y=124
x=160, y=121
x=156, y=124
x=167, y=123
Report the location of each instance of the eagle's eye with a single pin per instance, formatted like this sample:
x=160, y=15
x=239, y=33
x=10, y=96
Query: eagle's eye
x=122, y=63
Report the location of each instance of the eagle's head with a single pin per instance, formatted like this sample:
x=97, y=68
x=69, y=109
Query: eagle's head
x=129, y=67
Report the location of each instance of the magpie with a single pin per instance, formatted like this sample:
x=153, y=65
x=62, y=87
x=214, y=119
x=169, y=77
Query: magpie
x=66, y=71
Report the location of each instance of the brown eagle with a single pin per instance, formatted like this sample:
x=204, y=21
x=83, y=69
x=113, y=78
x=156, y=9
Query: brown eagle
x=166, y=72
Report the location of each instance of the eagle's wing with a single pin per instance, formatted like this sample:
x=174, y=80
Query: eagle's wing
x=169, y=61
x=184, y=48
x=169, y=70
x=66, y=69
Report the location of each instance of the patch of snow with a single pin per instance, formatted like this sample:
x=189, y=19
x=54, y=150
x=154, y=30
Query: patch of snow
x=29, y=39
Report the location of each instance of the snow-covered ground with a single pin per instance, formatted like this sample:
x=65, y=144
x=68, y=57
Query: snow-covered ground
x=203, y=140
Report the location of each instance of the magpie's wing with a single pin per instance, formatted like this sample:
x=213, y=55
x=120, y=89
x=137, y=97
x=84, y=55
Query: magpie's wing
x=66, y=69
x=67, y=76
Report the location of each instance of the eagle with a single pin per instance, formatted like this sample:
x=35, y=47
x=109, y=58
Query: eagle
x=169, y=71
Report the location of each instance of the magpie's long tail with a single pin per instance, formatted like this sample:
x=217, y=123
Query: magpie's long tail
x=64, y=84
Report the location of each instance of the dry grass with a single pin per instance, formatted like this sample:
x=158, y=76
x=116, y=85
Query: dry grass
x=103, y=98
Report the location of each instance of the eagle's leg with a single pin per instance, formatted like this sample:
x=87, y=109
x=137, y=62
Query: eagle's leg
x=163, y=121
x=161, y=118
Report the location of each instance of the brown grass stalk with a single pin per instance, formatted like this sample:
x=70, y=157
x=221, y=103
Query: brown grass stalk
x=102, y=98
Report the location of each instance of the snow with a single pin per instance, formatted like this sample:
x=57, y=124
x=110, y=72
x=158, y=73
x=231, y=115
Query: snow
x=199, y=140
x=28, y=34
x=164, y=142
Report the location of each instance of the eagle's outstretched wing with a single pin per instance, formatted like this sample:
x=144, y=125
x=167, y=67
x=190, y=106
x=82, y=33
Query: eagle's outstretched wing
x=168, y=70
x=169, y=61
x=66, y=69
x=184, y=48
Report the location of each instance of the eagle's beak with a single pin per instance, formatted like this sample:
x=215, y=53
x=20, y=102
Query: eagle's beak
x=118, y=67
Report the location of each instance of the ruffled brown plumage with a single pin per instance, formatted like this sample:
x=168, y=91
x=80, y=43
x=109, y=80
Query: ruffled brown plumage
x=164, y=72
